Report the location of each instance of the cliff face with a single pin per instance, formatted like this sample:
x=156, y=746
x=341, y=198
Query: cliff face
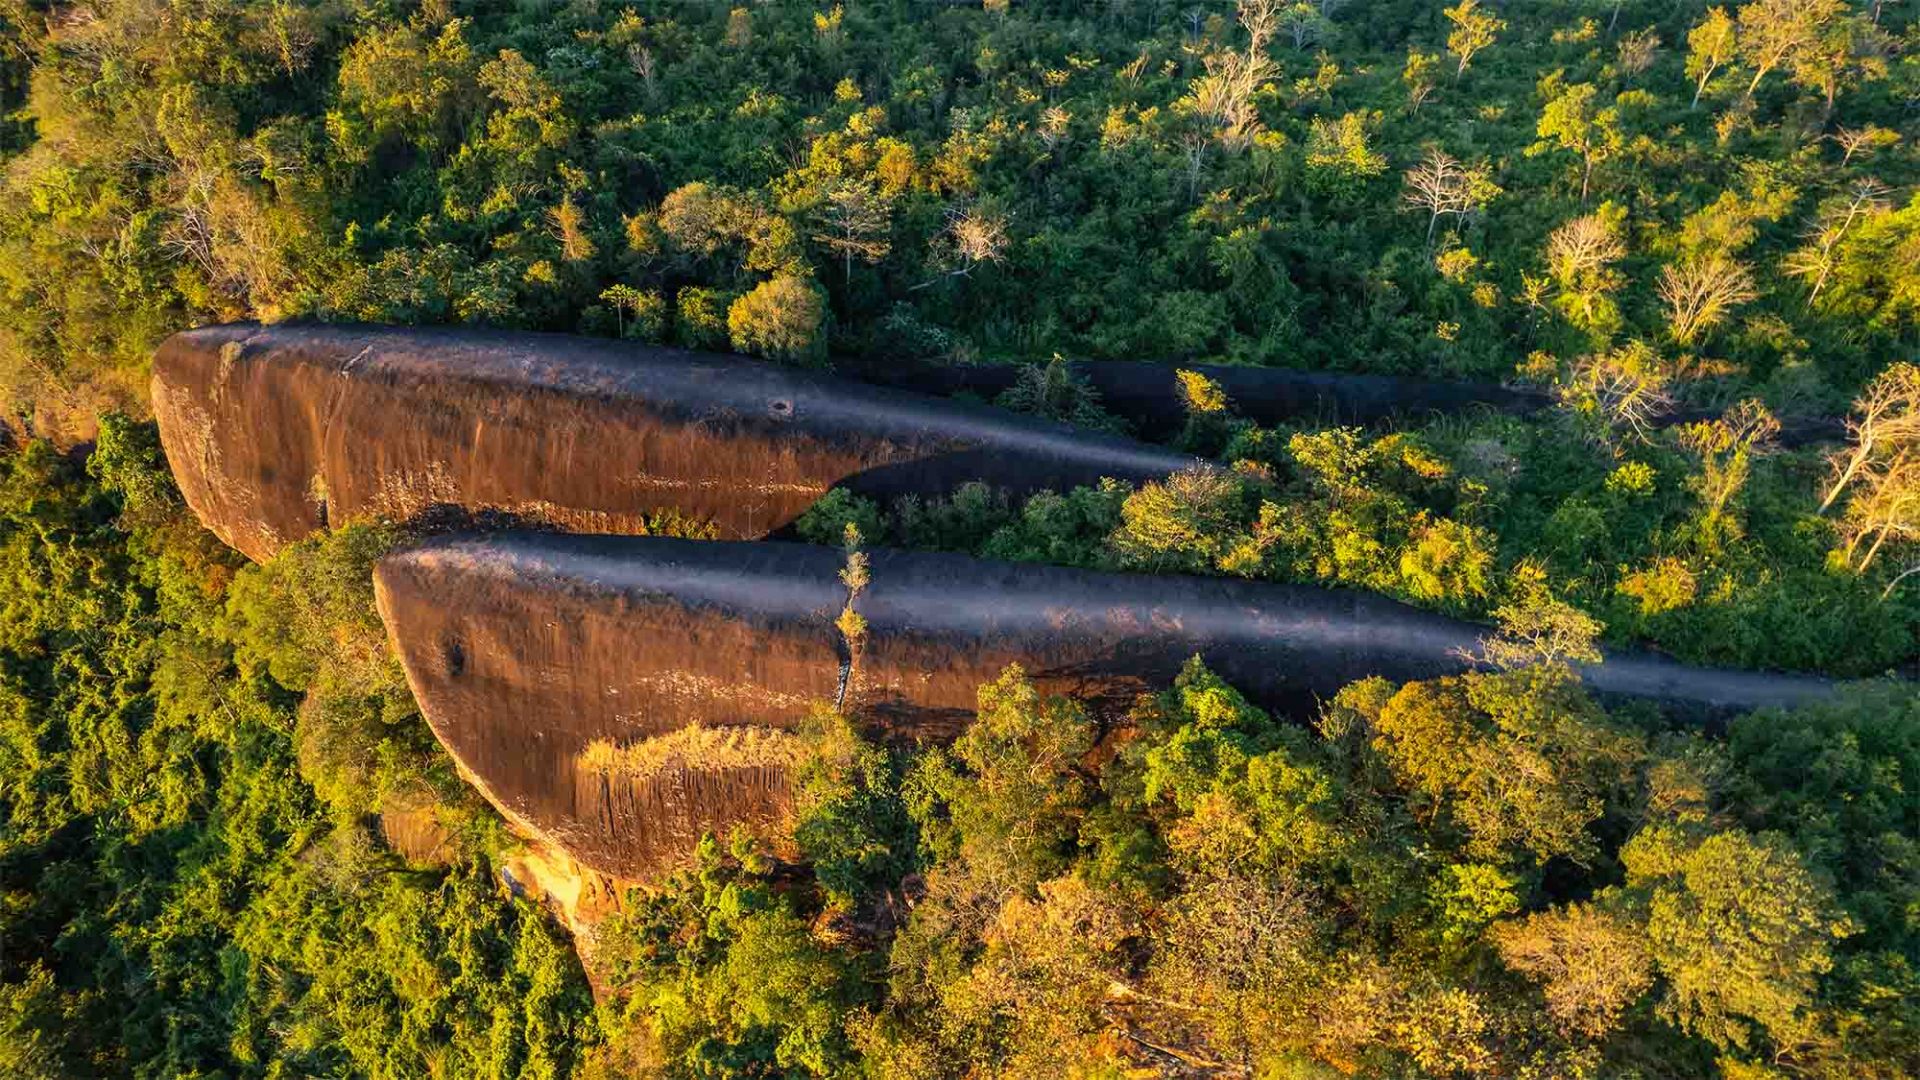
x=617, y=696
x=274, y=432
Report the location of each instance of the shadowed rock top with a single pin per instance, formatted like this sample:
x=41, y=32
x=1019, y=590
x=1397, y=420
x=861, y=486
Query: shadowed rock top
x=1148, y=394
x=276, y=431
x=562, y=671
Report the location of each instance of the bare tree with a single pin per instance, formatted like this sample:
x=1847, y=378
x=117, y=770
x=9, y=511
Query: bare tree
x=974, y=235
x=1623, y=393
x=1580, y=256
x=1699, y=293
x=1303, y=23
x=1885, y=506
x=1582, y=246
x=1440, y=184
x=1194, y=149
x=1885, y=422
x=640, y=59
x=1817, y=260
x=978, y=236
x=1223, y=98
x=1638, y=50
x=1855, y=140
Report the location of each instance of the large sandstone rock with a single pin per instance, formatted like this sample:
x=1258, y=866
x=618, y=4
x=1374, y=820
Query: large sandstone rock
x=617, y=696
x=276, y=431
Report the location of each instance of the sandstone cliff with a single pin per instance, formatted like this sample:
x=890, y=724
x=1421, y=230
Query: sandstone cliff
x=618, y=696
x=276, y=431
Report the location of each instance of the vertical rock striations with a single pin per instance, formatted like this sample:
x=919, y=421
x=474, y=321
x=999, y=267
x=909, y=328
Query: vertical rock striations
x=276, y=431
x=620, y=695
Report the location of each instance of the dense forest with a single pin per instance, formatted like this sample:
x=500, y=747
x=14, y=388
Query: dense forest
x=1647, y=210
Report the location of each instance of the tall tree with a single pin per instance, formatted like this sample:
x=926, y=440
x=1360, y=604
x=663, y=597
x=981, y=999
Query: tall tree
x=1710, y=46
x=1700, y=291
x=1885, y=422
x=855, y=221
x=1440, y=184
x=1573, y=123
x=1473, y=30
x=1776, y=32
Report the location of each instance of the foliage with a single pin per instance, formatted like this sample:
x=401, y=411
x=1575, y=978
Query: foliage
x=1386, y=892
x=1018, y=182
x=1492, y=875
x=178, y=898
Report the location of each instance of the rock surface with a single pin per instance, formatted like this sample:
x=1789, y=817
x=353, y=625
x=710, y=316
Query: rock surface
x=276, y=431
x=1148, y=396
x=563, y=672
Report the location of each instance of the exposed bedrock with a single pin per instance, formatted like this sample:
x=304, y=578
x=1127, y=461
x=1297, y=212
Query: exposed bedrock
x=618, y=695
x=1148, y=394
x=276, y=431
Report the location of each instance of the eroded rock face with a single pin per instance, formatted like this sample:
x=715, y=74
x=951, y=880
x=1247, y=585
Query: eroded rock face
x=618, y=696
x=274, y=432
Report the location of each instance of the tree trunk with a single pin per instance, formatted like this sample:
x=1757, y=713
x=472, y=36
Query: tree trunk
x=1701, y=88
x=1846, y=475
x=1875, y=549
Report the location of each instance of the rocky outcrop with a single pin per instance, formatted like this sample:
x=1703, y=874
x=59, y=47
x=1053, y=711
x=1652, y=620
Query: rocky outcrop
x=1148, y=395
x=618, y=696
x=276, y=431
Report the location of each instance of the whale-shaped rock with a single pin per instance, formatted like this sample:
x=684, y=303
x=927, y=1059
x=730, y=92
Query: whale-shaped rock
x=620, y=695
x=276, y=431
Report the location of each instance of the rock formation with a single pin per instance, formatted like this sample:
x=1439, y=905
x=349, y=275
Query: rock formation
x=276, y=431
x=618, y=696
x=1148, y=394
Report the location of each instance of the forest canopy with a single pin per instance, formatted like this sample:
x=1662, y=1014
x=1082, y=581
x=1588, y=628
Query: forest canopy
x=202, y=765
x=1717, y=200
x=1690, y=225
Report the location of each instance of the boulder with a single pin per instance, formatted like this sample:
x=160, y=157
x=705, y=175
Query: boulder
x=617, y=696
x=276, y=431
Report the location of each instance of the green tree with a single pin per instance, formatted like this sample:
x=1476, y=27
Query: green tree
x=1740, y=931
x=781, y=319
x=1473, y=30
x=1710, y=46
x=1574, y=124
